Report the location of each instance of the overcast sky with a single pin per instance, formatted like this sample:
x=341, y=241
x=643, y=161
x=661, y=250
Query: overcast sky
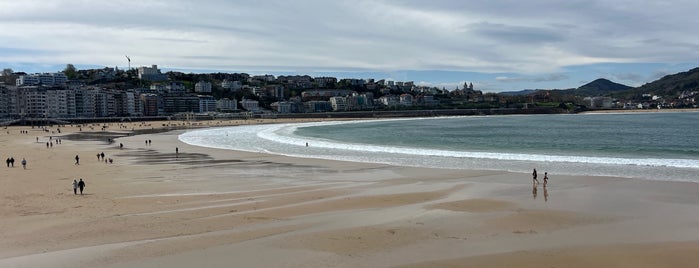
x=498, y=45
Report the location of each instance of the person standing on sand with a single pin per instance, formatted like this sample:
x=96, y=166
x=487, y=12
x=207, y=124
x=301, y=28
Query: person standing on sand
x=177, y=152
x=81, y=185
x=534, y=180
x=24, y=163
x=75, y=187
x=546, y=178
x=77, y=160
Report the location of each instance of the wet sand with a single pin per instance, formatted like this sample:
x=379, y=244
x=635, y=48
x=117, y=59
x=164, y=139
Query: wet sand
x=153, y=207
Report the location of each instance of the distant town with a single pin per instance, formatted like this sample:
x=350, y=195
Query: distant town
x=147, y=92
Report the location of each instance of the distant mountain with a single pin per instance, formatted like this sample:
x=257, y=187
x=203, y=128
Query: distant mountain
x=668, y=86
x=600, y=87
x=519, y=93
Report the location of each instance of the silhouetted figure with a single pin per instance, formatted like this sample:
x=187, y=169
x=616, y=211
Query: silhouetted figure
x=75, y=187
x=12, y=161
x=177, y=152
x=81, y=185
x=546, y=178
x=534, y=180
x=121, y=146
x=77, y=160
x=24, y=163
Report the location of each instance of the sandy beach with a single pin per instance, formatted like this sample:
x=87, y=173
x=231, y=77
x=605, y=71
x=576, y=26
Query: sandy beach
x=155, y=207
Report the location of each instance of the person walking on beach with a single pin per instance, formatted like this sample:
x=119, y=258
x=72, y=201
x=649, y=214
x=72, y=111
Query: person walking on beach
x=77, y=160
x=546, y=178
x=24, y=163
x=75, y=187
x=177, y=152
x=12, y=161
x=81, y=185
x=534, y=180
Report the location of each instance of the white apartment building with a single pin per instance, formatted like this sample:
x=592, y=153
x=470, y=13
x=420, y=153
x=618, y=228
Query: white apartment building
x=338, y=103
x=202, y=87
x=391, y=100
x=47, y=79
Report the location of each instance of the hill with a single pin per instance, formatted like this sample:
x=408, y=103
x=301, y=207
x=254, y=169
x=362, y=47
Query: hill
x=600, y=87
x=668, y=86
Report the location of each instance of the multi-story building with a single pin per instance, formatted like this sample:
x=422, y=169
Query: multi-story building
x=317, y=106
x=60, y=103
x=46, y=79
x=202, y=87
x=250, y=105
x=389, y=100
x=180, y=103
x=33, y=100
x=231, y=85
x=8, y=101
x=323, y=82
x=151, y=73
x=207, y=103
x=338, y=103
x=150, y=104
x=406, y=99
x=284, y=107
x=226, y=105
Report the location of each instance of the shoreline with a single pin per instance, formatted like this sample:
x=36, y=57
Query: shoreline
x=157, y=207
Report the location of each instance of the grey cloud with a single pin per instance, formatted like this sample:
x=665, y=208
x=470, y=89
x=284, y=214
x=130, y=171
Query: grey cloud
x=539, y=79
x=629, y=77
x=515, y=34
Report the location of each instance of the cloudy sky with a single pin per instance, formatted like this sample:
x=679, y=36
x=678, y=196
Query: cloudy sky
x=498, y=45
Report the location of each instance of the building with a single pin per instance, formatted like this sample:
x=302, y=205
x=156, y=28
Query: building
x=150, y=104
x=323, y=82
x=180, y=103
x=207, y=104
x=226, y=105
x=45, y=79
x=231, y=85
x=283, y=107
x=317, y=106
x=202, y=87
x=151, y=73
x=406, y=100
x=339, y=104
x=60, y=103
x=250, y=105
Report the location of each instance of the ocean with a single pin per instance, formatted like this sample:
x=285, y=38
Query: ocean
x=653, y=146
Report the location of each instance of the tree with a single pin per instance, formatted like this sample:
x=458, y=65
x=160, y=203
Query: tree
x=8, y=76
x=70, y=71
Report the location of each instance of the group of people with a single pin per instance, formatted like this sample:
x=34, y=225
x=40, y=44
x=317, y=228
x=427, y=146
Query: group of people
x=78, y=185
x=536, y=181
x=11, y=162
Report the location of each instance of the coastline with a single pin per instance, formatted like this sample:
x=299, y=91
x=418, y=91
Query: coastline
x=157, y=207
x=687, y=110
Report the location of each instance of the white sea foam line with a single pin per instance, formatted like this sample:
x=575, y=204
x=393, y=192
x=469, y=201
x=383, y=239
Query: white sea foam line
x=271, y=133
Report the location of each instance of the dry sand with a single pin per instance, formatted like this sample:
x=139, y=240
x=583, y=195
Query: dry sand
x=215, y=208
